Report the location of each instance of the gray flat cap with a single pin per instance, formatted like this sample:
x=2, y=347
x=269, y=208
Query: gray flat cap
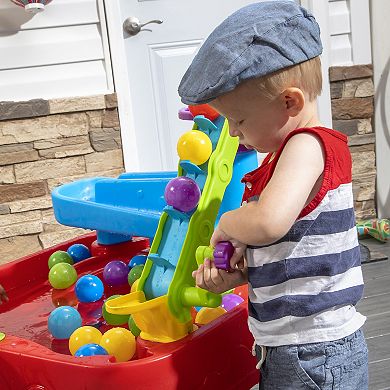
x=257, y=40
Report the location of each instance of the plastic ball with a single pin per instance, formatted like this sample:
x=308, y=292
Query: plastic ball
x=62, y=275
x=194, y=145
x=91, y=312
x=90, y=350
x=205, y=110
x=208, y=314
x=120, y=343
x=134, y=286
x=135, y=274
x=89, y=288
x=79, y=252
x=63, y=321
x=114, y=319
x=230, y=301
x=133, y=327
x=65, y=297
x=137, y=260
x=82, y=336
x=115, y=273
x=242, y=291
x=60, y=257
x=182, y=193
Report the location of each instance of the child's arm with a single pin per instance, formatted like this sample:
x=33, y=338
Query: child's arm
x=297, y=172
x=3, y=295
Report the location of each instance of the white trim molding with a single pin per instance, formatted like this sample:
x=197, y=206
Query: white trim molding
x=122, y=86
x=320, y=10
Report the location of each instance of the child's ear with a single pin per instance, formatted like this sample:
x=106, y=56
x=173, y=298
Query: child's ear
x=293, y=101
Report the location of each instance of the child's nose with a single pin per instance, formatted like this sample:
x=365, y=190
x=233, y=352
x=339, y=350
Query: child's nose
x=233, y=131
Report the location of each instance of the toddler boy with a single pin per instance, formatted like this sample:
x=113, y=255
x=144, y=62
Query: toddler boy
x=260, y=69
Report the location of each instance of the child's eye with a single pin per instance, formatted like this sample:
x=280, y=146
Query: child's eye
x=240, y=122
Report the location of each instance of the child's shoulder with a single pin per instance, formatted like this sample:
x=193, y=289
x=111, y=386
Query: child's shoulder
x=334, y=144
x=323, y=134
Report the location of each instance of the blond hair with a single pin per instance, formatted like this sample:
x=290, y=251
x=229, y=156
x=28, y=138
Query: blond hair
x=306, y=76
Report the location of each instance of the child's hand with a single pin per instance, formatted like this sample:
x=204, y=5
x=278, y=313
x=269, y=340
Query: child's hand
x=236, y=261
x=3, y=295
x=215, y=280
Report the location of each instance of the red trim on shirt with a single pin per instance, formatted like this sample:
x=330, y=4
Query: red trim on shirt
x=337, y=168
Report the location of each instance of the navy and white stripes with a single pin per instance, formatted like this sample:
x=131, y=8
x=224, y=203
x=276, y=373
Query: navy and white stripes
x=303, y=288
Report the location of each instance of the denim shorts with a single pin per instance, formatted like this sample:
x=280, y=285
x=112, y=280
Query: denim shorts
x=340, y=364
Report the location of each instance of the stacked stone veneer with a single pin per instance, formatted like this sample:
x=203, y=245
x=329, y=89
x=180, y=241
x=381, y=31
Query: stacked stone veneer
x=44, y=144
x=352, y=93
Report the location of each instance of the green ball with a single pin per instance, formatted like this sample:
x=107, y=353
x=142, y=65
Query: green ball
x=135, y=273
x=60, y=257
x=62, y=275
x=133, y=327
x=114, y=319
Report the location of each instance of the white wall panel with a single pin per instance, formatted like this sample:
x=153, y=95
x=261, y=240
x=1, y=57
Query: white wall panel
x=349, y=29
x=341, y=52
x=60, y=52
x=339, y=18
x=57, y=13
x=57, y=46
x=66, y=80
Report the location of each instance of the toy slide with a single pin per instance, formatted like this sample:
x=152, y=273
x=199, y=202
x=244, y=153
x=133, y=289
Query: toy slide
x=116, y=208
x=161, y=305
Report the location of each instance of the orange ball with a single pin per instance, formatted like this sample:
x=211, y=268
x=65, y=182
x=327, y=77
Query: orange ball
x=204, y=109
x=208, y=314
x=242, y=291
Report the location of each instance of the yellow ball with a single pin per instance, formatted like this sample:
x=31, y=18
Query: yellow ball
x=134, y=286
x=120, y=343
x=82, y=336
x=208, y=314
x=195, y=146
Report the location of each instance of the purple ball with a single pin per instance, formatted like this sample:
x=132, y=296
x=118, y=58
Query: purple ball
x=115, y=273
x=182, y=193
x=230, y=301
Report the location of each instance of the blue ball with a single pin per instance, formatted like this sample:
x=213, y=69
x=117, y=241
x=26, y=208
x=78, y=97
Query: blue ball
x=79, y=252
x=90, y=350
x=89, y=288
x=63, y=321
x=137, y=260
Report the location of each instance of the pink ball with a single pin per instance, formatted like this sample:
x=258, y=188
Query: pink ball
x=230, y=301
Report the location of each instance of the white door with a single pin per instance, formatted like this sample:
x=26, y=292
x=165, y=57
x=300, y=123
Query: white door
x=148, y=73
x=148, y=68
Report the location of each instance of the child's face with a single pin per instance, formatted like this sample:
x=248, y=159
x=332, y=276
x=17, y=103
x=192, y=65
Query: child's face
x=259, y=123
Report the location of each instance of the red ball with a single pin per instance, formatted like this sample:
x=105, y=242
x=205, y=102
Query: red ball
x=242, y=291
x=204, y=109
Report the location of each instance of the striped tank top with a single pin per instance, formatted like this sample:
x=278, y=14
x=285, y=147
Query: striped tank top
x=304, y=287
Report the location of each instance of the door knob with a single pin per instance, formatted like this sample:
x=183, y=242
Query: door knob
x=133, y=26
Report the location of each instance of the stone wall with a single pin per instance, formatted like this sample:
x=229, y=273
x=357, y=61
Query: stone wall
x=44, y=144
x=352, y=93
